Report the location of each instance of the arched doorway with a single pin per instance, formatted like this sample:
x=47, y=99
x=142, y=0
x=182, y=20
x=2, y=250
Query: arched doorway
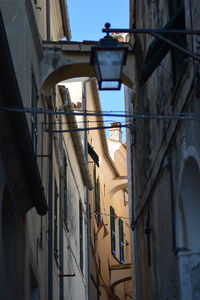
x=188, y=231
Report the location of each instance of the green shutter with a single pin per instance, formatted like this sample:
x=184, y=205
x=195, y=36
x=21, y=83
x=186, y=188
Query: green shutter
x=112, y=230
x=159, y=49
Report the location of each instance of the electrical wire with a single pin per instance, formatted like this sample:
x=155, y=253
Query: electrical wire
x=109, y=215
x=151, y=116
x=79, y=122
x=88, y=128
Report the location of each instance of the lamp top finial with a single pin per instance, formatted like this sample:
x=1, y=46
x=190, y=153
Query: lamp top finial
x=107, y=26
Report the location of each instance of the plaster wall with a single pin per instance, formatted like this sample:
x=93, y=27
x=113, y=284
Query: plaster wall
x=24, y=239
x=73, y=275
x=105, y=265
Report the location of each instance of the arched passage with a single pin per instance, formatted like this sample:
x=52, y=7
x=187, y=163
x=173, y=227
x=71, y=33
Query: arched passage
x=65, y=60
x=188, y=231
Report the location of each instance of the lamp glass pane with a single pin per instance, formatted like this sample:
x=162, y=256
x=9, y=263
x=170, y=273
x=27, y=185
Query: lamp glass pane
x=110, y=63
x=110, y=85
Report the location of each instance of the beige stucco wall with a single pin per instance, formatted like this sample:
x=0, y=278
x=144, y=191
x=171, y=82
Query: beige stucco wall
x=75, y=193
x=104, y=263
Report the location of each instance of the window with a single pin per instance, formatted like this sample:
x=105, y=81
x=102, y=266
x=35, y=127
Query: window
x=177, y=56
x=159, y=49
x=112, y=230
x=125, y=198
x=34, y=104
x=56, y=220
x=81, y=234
x=121, y=241
x=97, y=198
x=65, y=187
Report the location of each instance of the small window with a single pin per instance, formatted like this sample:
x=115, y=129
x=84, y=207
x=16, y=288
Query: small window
x=112, y=229
x=121, y=241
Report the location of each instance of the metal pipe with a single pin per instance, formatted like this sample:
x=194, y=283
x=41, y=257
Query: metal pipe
x=50, y=213
x=134, y=14
x=48, y=20
x=86, y=189
x=131, y=192
x=61, y=219
x=151, y=31
x=135, y=256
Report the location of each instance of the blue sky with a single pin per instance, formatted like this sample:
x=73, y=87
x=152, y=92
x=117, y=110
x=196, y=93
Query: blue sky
x=87, y=18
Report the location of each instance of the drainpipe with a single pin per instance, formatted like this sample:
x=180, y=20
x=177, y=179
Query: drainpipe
x=48, y=20
x=50, y=212
x=61, y=211
x=86, y=189
x=134, y=14
x=131, y=189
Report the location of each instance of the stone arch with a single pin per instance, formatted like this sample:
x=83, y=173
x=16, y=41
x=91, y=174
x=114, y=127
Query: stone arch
x=67, y=71
x=117, y=185
x=188, y=237
x=189, y=206
x=63, y=61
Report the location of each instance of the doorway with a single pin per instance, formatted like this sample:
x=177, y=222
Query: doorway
x=188, y=232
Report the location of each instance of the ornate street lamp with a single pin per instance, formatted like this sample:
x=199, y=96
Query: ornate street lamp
x=108, y=58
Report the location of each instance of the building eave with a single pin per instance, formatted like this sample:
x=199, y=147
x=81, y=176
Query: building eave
x=65, y=19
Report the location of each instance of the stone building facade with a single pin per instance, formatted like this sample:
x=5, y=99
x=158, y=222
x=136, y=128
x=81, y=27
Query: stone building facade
x=165, y=152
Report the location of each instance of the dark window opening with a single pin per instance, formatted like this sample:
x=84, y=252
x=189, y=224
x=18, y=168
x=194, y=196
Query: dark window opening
x=177, y=56
x=121, y=241
x=112, y=229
